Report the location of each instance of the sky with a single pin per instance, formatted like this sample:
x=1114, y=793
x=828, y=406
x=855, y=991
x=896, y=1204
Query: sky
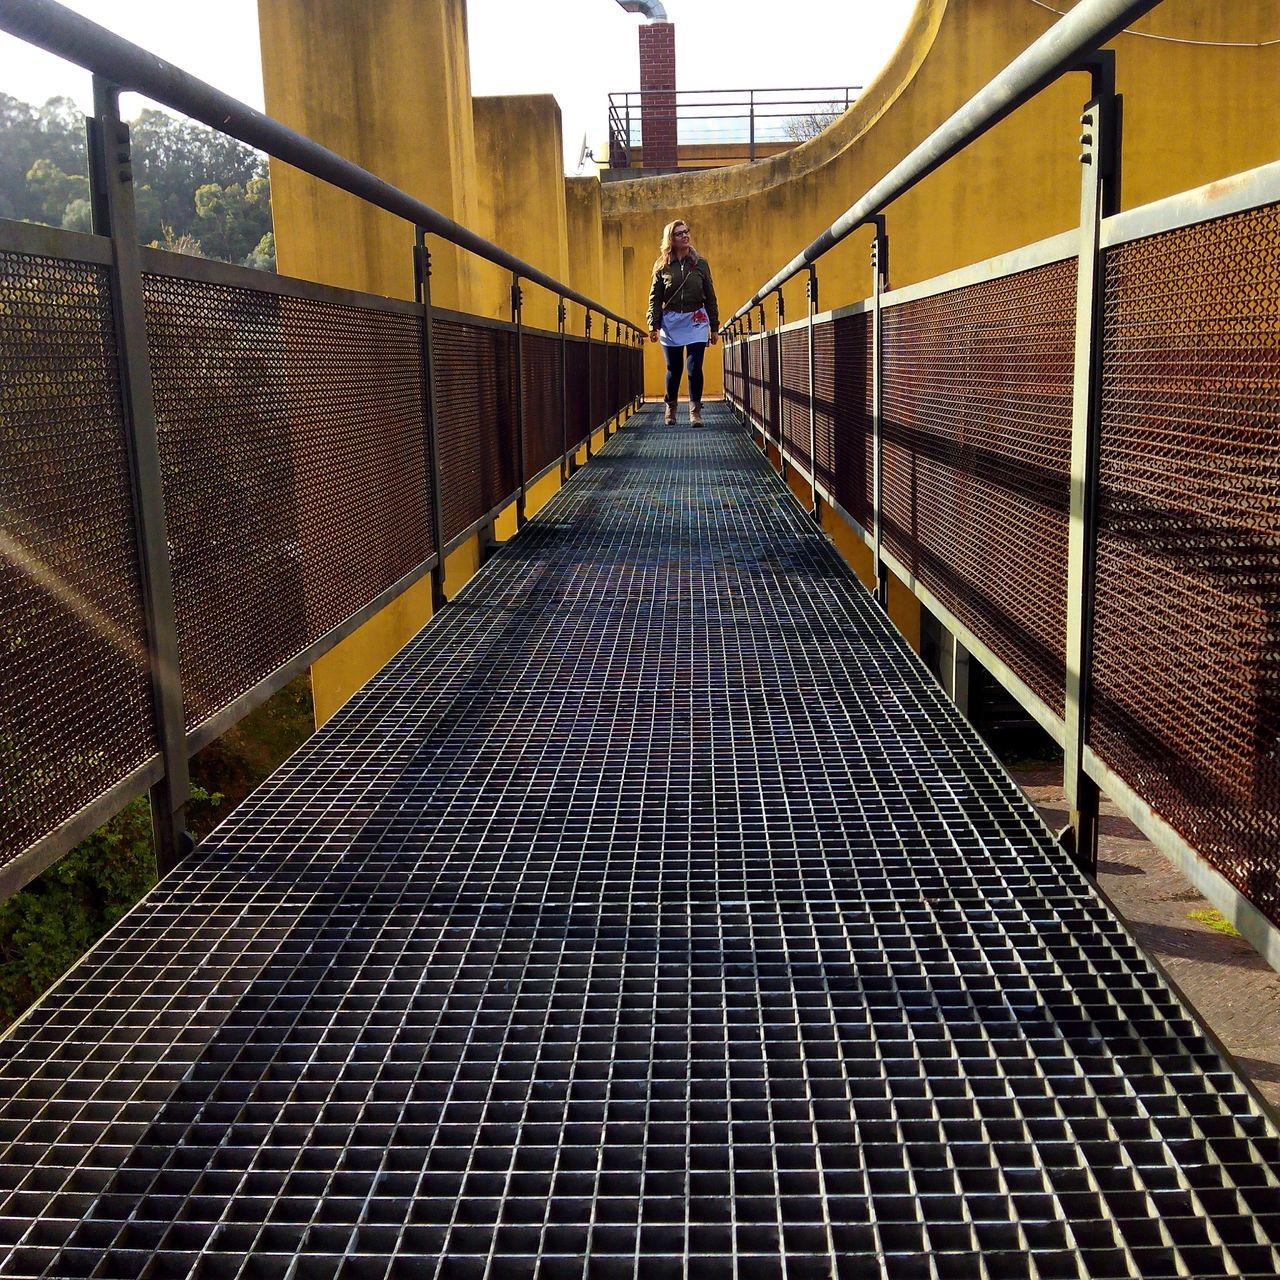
x=577, y=50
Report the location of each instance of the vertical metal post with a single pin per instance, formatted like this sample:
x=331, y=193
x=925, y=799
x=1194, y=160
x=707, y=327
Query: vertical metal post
x=422, y=285
x=517, y=318
x=608, y=418
x=564, y=392
x=960, y=676
x=1098, y=197
x=114, y=215
x=879, y=272
x=776, y=380
x=751, y=114
x=811, y=295
x=590, y=425
x=764, y=374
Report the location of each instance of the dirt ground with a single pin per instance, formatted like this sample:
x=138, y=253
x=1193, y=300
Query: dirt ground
x=1235, y=991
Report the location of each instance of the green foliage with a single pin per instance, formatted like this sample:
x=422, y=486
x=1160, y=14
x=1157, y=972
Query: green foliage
x=52, y=190
x=252, y=750
x=1215, y=920
x=195, y=190
x=232, y=220
x=49, y=925
x=263, y=258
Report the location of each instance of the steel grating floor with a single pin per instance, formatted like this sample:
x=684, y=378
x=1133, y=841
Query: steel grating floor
x=652, y=915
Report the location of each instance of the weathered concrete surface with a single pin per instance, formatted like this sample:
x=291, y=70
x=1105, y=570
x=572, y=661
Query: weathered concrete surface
x=1235, y=991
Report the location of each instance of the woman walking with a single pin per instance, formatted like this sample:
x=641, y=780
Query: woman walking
x=683, y=314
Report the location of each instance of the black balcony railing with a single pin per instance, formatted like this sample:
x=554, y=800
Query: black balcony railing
x=711, y=128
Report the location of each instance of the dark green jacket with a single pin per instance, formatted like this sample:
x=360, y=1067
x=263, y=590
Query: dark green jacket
x=681, y=287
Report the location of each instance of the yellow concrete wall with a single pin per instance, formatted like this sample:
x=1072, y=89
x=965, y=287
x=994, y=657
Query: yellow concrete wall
x=371, y=82
x=615, y=295
x=519, y=151
x=586, y=242
x=634, y=295
x=1193, y=113
x=388, y=86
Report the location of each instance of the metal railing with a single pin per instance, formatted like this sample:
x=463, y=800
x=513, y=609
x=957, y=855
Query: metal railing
x=1062, y=453
x=211, y=475
x=717, y=127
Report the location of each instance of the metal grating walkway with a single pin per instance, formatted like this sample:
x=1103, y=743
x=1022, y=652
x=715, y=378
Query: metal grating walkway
x=652, y=915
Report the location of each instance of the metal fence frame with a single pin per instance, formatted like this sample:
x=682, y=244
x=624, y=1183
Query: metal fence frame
x=1068, y=723
x=117, y=66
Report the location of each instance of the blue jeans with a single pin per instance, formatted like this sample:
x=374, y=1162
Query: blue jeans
x=673, y=356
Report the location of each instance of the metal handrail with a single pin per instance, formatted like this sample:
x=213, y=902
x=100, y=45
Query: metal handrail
x=58, y=30
x=626, y=94
x=705, y=106
x=1086, y=28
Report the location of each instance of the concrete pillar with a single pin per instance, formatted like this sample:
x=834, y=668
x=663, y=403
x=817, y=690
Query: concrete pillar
x=586, y=241
x=387, y=85
x=614, y=295
x=520, y=152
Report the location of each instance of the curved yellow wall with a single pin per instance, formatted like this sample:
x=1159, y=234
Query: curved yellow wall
x=1192, y=113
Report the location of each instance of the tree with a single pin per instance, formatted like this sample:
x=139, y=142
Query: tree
x=232, y=220
x=78, y=216
x=263, y=258
x=53, y=133
x=195, y=190
x=175, y=158
x=51, y=923
x=52, y=191
x=802, y=128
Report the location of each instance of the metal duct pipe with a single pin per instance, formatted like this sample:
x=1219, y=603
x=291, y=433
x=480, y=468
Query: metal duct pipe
x=1088, y=26
x=52, y=27
x=652, y=9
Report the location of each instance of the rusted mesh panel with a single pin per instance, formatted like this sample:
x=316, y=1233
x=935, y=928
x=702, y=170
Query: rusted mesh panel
x=850, y=405
x=613, y=365
x=1186, y=689
x=475, y=400
x=579, y=409
x=542, y=402
x=732, y=352
x=794, y=392
x=977, y=448
x=773, y=387
x=759, y=383
x=292, y=439
x=599, y=385
x=754, y=368
x=75, y=693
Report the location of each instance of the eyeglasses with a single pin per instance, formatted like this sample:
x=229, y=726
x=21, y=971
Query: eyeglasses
x=684, y=231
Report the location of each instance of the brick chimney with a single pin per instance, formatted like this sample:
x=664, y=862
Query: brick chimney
x=658, y=109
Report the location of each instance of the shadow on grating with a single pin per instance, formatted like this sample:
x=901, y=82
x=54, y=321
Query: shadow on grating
x=652, y=914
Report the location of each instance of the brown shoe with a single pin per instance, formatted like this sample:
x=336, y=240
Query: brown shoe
x=670, y=419
x=695, y=414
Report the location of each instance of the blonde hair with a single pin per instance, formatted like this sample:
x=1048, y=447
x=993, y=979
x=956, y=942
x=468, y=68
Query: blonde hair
x=667, y=251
